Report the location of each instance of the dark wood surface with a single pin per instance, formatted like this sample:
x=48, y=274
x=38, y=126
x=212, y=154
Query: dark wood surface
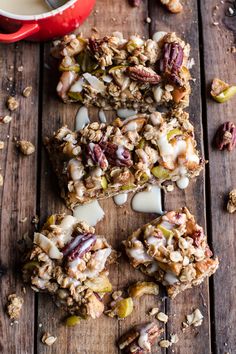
x=30, y=187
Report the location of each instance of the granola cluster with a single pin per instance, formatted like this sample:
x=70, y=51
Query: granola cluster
x=113, y=72
x=68, y=260
x=103, y=160
x=173, y=249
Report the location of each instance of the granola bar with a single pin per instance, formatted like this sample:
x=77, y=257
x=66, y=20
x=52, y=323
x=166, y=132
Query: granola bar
x=69, y=261
x=113, y=72
x=102, y=160
x=173, y=249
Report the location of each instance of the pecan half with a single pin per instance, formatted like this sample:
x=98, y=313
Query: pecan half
x=139, y=339
x=143, y=74
x=117, y=155
x=171, y=61
x=97, y=155
x=225, y=137
x=79, y=246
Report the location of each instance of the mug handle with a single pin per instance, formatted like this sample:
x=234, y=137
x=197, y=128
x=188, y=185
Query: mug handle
x=24, y=31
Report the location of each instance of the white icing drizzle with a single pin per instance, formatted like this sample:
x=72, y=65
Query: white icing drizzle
x=102, y=116
x=170, y=278
x=125, y=112
x=157, y=36
x=120, y=199
x=139, y=254
x=148, y=201
x=119, y=152
x=78, y=85
x=91, y=213
x=183, y=182
x=81, y=118
x=143, y=340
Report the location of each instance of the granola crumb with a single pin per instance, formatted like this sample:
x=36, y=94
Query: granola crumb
x=24, y=290
x=1, y=180
x=116, y=294
x=14, y=307
x=194, y=319
x=40, y=325
x=174, y=338
x=12, y=103
x=20, y=68
x=161, y=316
x=25, y=147
x=153, y=311
x=148, y=20
x=35, y=219
x=170, y=188
x=27, y=91
x=23, y=220
x=164, y=343
x=1, y=145
x=231, y=205
x=48, y=339
x=5, y=119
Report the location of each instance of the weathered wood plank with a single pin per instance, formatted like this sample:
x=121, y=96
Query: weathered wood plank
x=18, y=194
x=219, y=62
x=185, y=25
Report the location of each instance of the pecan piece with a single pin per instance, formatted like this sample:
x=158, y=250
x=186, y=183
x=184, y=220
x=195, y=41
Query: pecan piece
x=171, y=61
x=117, y=155
x=97, y=155
x=143, y=74
x=231, y=206
x=139, y=339
x=79, y=246
x=225, y=137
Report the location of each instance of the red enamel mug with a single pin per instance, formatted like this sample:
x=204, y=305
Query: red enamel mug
x=49, y=25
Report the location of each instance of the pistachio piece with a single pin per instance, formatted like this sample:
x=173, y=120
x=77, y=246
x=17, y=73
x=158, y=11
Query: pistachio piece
x=160, y=172
x=127, y=187
x=75, y=68
x=75, y=96
x=30, y=266
x=143, y=288
x=173, y=133
x=104, y=182
x=221, y=91
x=124, y=307
x=72, y=321
x=101, y=284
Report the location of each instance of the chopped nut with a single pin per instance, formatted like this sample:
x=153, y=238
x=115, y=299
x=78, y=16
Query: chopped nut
x=5, y=119
x=143, y=74
x=121, y=308
x=231, y=206
x=14, y=306
x=27, y=91
x=48, y=339
x=116, y=294
x=26, y=147
x=1, y=145
x=165, y=343
x=1, y=180
x=161, y=316
x=142, y=287
x=221, y=91
x=174, y=338
x=12, y=103
x=195, y=319
x=225, y=137
x=153, y=311
x=173, y=6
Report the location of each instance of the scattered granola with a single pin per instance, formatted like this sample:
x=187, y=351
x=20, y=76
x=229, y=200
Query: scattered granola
x=173, y=6
x=153, y=311
x=2, y=145
x=6, y=119
x=12, y=103
x=165, y=343
x=221, y=91
x=143, y=288
x=14, y=307
x=101, y=160
x=27, y=91
x=231, y=206
x=48, y=339
x=161, y=316
x=140, y=338
x=1, y=180
x=25, y=147
x=194, y=319
x=113, y=72
x=173, y=249
x=69, y=261
x=225, y=137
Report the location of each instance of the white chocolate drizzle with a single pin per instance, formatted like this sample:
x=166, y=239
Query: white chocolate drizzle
x=148, y=201
x=120, y=199
x=91, y=213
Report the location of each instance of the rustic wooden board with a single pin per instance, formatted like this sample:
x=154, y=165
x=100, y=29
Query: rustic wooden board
x=220, y=62
x=18, y=199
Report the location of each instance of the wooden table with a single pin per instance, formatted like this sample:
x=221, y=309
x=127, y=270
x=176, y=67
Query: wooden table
x=30, y=187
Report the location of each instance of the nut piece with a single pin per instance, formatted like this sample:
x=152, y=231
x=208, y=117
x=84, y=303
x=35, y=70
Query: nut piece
x=1, y=145
x=48, y=339
x=135, y=3
x=173, y=6
x=221, y=91
x=171, y=61
x=27, y=91
x=225, y=137
x=195, y=319
x=161, y=316
x=121, y=308
x=1, y=180
x=12, y=103
x=143, y=74
x=5, y=119
x=139, y=339
x=153, y=311
x=14, y=307
x=174, y=338
x=165, y=343
x=143, y=288
x=231, y=206
x=25, y=147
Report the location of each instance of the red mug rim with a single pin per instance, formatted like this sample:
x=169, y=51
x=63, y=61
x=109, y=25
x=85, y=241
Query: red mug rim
x=40, y=16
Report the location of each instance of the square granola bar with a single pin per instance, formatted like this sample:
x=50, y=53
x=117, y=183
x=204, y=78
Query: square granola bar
x=102, y=160
x=113, y=72
x=173, y=249
x=69, y=261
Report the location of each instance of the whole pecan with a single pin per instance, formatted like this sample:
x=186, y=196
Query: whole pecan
x=143, y=74
x=95, y=44
x=79, y=246
x=97, y=155
x=117, y=155
x=225, y=137
x=135, y=3
x=171, y=61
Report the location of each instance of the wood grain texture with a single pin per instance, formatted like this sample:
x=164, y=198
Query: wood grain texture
x=219, y=62
x=17, y=195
